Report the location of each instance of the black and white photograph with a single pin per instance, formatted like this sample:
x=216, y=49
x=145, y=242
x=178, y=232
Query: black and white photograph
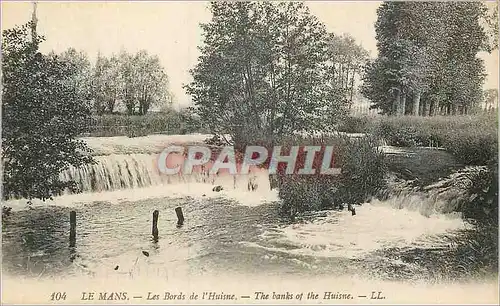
x=249, y=152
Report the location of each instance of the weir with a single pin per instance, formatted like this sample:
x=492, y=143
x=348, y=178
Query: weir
x=131, y=171
x=122, y=171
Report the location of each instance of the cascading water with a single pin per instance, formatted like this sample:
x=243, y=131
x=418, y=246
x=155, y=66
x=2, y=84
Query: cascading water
x=132, y=171
x=114, y=172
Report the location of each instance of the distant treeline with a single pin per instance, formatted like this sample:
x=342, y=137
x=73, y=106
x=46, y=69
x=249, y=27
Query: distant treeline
x=130, y=83
x=427, y=60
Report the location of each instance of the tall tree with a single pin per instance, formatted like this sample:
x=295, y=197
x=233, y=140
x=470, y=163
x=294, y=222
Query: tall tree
x=347, y=58
x=42, y=114
x=264, y=72
x=427, y=50
x=150, y=82
x=82, y=79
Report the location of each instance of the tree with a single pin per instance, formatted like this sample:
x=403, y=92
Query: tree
x=264, y=72
x=106, y=84
x=490, y=17
x=151, y=81
x=42, y=114
x=427, y=50
x=82, y=78
x=347, y=58
x=128, y=72
x=139, y=81
x=490, y=99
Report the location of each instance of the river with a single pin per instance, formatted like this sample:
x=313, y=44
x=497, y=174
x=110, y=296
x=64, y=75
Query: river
x=231, y=236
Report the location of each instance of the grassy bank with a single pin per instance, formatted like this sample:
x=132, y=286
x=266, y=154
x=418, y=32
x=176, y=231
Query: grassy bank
x=473, y=140
x=464, y=141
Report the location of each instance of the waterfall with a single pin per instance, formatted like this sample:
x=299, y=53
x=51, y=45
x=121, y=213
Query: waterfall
x=130, y=171
x=448, y=196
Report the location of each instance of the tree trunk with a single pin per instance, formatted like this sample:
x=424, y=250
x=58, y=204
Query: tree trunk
x=426, y=109
x=395, y=104
x=352, y=87
x=416, y=103
x=432, y=109
x=403, y=104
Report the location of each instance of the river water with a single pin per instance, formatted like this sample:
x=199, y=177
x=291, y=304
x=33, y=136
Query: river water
x=226, y=233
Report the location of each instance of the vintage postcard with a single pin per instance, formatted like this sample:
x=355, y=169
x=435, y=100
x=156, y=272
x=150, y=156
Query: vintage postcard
x=264, y=152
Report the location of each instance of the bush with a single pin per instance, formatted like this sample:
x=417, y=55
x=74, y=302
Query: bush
x=471, y=139
x=42, y=116
x=353, y=125
x=362, y=176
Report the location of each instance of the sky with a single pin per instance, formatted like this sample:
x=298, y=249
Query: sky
x=171, y=30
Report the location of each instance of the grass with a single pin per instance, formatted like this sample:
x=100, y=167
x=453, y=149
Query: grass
x=462, y=141
x=470, y=254
x=473, y=140
x=422, y=166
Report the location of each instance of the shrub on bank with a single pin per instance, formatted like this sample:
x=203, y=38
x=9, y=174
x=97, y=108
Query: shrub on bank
x=362, y=175
x=472, y=140
x=351, y=124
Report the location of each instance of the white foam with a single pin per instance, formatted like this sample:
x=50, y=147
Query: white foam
x=180, y=189
x=373, y=227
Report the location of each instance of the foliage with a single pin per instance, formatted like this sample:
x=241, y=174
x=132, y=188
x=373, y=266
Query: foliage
x=264, y=72
x=353, y=124
x=473, y=140
x=146, y=82
x=106, y=84
x=363, y=171
x=42, y=114
x=490, y=18
x=490, y=99
x=347, y=58
x=137, y=81
x=81, y=78
x=430, y=55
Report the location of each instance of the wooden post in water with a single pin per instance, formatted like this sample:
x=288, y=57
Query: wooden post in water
x=180, y=216
x=154, y=231
x=72, y=228
x=351, y=209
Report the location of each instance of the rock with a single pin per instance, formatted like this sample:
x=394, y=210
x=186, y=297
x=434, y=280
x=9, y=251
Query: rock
x=6, y=211
x=116, y=268
x=217, y=188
